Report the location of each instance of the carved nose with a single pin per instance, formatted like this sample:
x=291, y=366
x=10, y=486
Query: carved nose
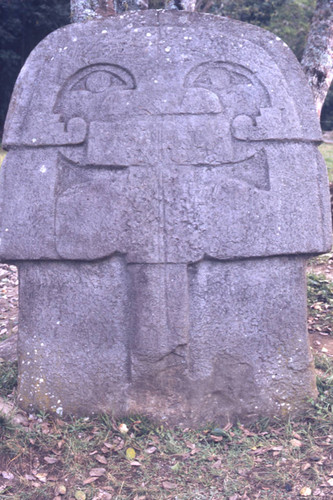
x=198, y=101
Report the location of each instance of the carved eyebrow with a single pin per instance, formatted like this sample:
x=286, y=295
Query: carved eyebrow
x=116, y=74
x=207, y=69
x=98, y=81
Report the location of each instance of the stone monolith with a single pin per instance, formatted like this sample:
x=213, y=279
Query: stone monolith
x=161, y=194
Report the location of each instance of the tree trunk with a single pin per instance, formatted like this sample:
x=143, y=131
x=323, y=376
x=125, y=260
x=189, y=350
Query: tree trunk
x=317, y=60
x=189, y=5
x=83, y=10
x=125, y=5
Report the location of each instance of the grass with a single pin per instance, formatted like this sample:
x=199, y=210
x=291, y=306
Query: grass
x=320, y=304
x=91, y=459
x=8, y=377
x=327, y=152
x=2, y=155
x=133, y=458
x=270, y=459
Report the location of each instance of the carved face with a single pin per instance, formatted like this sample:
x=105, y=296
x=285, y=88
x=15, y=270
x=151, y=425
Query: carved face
x=191, y=124
x=164, y=140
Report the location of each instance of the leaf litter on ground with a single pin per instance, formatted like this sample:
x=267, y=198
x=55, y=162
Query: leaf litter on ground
x=50, y=457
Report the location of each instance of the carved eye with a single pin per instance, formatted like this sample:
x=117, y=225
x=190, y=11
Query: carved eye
x=213, y=78
x=202, y=81
x=101, y=77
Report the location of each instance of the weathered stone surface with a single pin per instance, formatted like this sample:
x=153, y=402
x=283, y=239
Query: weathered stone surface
x=161, y=193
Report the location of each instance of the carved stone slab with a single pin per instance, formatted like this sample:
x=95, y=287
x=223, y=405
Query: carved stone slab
x=161, y=192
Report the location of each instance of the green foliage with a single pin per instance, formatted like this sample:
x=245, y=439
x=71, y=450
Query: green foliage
x=320, y=304
x=22, y=25
x=273, y=458
x=288, y=19
x=2, y=155
x=327, y=113
x=257, y=12
x=327, y=152
x=8, y=377
x=291, y=22
x=320, y=289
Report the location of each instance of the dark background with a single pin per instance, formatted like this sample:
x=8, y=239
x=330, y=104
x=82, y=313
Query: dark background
x=23, y=23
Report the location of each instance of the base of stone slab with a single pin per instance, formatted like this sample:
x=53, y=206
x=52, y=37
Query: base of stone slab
x=183, y=344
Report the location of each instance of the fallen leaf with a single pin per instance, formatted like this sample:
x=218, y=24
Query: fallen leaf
x=305, y=467
x=168, y=486
x=330, y=481
x=123, y=429
x=109, y=488
x=61, y=489
x=151, y=450
x=217, y=464
x=217, y=439
x=41, y=476
x=7, y=475
x=97, y=472
x=305, y=492
x=52, y=478
x=89, y=480
x=120, y=445
x=135, y=463
x=80, y=495
x=259, y=451
x=50, y=460
x=190, y=445
x=60, y=443
x=103, y=495
x=101, y=459
x=29, y=477
x=45, y=428
x=296, y=443
x=130, y=453
x=108, y=445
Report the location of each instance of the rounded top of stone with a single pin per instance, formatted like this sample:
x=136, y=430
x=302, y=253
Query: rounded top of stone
x=176, y=40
